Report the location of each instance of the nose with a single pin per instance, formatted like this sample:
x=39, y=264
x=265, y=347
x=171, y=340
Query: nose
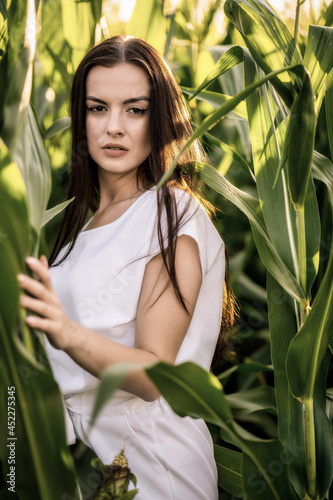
x=114, y=124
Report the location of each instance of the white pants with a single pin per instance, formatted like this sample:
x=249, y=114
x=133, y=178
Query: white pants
x=171, y=457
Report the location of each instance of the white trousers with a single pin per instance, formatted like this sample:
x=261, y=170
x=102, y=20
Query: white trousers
x=171, y=457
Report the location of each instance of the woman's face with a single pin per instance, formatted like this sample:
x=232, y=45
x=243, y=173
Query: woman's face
x=118, y=100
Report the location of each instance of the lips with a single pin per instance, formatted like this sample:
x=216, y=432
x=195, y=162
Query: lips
x=114, y=147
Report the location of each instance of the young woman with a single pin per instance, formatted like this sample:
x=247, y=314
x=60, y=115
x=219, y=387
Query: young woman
x=142, y=280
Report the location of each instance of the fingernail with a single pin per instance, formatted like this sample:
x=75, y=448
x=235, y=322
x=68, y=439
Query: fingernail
x=30, y=260
x=20, y=278
x=31, y=320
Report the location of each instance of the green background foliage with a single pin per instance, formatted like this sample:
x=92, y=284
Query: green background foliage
x=260, y=89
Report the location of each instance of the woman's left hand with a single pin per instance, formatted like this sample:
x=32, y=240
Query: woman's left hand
x=43, y=300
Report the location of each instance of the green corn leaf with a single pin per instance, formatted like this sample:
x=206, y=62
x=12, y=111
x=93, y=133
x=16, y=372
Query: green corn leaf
x=52, y=212
x=78, y=27
x=283, y=327
x=56, y=127
x=318, y=58
x=110, y=381
x=14, y=222
x=39, y=422
x=216, y=100
x=266, y=477
x=226, y=108
x=251, y=208
x=247, y=366
x=16, y=67
x=301, y=142
x=148, y=22
x=229, y=151
x=308, y=348
x=39, y=425
x=329, y=109
x=267, y=38
x=176, y=383
x=257, y=399
x=192, y=391
x=322, y=169
x=32, y=160
x=229, y=469
x=229, y=59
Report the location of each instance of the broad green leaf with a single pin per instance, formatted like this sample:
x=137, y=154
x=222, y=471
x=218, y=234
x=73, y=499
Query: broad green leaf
x=17, y=68
x=322, y=169
x=56, y=127
x=216, y=100
x=271, y=479
x=14, y=222
x=79, y=27
x=247, y=366
x=149, y=23
x=318, y=58
x=323, y=428
x=232, y=82
x=190, y=390
x=52, y=212
x=229, y=469
x=267, y=38
x=268, y=129
x=229, y=151
x=301, y=142
x=282, y=316
x=33, y=162
x=217, y=115
x=329, y=109
x=308, y=348
x=229, y=59
x=110, y=381
x=257, y=399
x=39, y=425
x=251, y=208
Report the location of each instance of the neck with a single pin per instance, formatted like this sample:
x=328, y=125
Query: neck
x=118, y=189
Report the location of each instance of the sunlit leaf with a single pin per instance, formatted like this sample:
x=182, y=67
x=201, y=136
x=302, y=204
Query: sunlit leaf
x=267, y=38
x=56, y=127
x=230, y=58
x=318, y=58
x=52, y=212
x=148, y=22
x=308, y=348
x=302, y=136
x=216, y=100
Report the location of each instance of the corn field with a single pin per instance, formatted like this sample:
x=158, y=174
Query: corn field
x=260, y=89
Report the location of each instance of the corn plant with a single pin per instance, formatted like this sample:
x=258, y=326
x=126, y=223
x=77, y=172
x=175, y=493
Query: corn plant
x=287, y=85
x=38, y=456
x=283, y=91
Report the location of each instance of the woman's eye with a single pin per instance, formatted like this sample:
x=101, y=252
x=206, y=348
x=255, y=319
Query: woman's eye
x=137, y=111
x=96, y=109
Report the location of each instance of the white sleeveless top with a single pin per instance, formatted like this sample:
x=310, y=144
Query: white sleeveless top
x=99, y=284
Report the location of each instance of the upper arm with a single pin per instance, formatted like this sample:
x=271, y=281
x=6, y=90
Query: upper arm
x=162, y=321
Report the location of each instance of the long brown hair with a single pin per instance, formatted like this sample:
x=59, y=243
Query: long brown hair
x=169, y=129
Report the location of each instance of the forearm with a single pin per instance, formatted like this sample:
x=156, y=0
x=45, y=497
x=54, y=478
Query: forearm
x=95, y=353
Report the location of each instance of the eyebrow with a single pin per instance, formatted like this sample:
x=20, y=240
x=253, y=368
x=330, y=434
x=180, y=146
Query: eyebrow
x=127, y=101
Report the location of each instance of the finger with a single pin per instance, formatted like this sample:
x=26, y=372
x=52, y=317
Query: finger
x=41, y=271
x=49, y=327
x=37, y=289
x=44, y=261
x=38, y=306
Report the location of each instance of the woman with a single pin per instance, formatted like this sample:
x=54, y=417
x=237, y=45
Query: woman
x=142, y=280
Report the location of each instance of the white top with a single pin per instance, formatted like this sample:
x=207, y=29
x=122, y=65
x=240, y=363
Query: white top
x=99, y=284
